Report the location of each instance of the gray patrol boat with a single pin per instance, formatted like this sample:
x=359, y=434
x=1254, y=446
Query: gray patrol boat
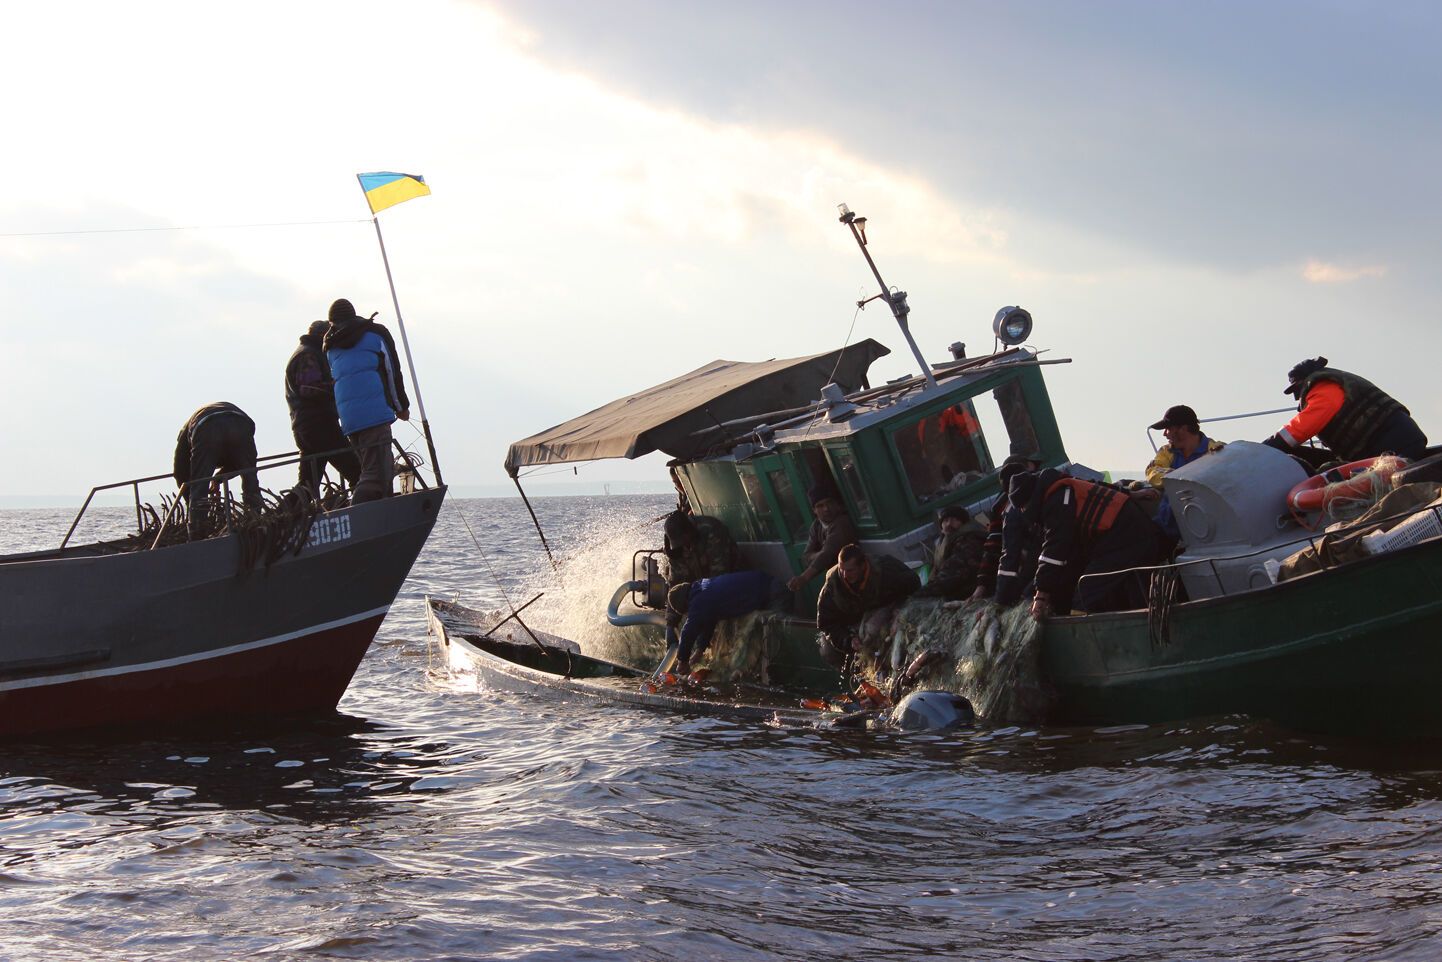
x=267, y=618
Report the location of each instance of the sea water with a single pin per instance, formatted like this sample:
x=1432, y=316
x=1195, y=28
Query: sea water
x=431, y=820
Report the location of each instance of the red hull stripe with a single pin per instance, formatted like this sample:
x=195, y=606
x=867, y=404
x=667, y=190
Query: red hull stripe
x=189, y=659
x=308, y=672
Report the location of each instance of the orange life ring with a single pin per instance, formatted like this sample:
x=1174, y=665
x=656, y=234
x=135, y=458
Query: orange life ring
x=1357, y=480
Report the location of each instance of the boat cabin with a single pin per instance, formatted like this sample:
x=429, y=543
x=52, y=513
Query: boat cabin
x=896, y=455
x=748, y=440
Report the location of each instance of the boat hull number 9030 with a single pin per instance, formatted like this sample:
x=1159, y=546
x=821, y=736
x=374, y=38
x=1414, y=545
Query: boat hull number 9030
x=329, y=530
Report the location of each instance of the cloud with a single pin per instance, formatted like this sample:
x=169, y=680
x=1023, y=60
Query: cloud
x=589, y=236
x=1321, y=272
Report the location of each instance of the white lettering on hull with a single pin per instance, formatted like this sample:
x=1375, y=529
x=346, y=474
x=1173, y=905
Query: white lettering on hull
x=329, y=529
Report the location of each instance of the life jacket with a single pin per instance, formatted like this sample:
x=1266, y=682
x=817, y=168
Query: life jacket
x=1096, y=505
x=1364, y=408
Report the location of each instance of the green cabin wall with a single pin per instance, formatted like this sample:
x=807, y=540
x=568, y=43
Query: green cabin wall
x=716, y=487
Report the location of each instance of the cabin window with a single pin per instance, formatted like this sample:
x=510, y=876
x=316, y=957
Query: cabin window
x=851, y=485
x=1015, y=417
x=786, y=498
x=759, y=505
x=817, y=467
x=943, y=452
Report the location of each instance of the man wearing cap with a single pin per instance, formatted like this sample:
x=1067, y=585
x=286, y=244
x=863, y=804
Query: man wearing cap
x=314, y=423
x=956, y=557
x=1353, y=417
x=1185, y=444
x=830, y=532
x=369, y=393
x=705, y=602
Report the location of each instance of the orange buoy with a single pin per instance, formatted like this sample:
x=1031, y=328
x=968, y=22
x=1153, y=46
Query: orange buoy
x=1360, y=479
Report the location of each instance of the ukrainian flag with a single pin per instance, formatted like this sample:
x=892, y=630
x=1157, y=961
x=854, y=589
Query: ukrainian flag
x=386, y=189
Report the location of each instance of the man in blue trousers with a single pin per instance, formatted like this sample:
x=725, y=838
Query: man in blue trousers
x=705, y=602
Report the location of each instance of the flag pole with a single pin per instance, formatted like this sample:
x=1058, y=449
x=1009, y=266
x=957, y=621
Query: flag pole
x=410, y=361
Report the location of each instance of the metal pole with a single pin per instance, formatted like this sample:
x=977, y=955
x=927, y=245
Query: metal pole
x=410, y=362
x=536, y=523
x=897, y=301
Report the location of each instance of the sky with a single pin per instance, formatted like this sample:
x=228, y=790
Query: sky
x=1189, y=198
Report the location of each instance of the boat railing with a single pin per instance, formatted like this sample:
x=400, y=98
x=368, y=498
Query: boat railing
x=1312, y=538
x=269, y=462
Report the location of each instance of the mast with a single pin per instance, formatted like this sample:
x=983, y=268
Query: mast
x=410, y=361
x=382, y=189
x=896, y=300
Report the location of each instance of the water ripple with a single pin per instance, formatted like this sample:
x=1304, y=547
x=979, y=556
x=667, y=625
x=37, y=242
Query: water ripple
x=431, y=820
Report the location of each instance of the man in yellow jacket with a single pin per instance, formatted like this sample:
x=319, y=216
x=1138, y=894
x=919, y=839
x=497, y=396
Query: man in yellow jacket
x=1185, y=443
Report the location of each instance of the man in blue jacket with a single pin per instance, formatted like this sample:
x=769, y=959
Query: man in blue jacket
x=705, y=602
x=369, y=393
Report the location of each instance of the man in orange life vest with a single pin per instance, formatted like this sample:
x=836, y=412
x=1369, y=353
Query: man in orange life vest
x=1087, y=528
x=1353, y=417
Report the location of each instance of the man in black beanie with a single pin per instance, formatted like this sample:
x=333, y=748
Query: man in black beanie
x=314, y=423
x=1353, y=417
x=830, y=532
x=370, y=393
x=957, y=556
x=992, y=549
x=1087, y=528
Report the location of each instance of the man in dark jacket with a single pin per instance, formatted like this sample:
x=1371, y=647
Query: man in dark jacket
x=1353, y=417
x=310, y=394
x=704, y=603
x=1087, y=528
x=370, y=393
x=858, y=601
x=830, y=532
x=218, y=437
x=696, y=547
x=993, y=548
x=957, y=557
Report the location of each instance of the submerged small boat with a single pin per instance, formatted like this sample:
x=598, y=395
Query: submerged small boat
x=1350, y=647
x=121, y=632
x=517, y=658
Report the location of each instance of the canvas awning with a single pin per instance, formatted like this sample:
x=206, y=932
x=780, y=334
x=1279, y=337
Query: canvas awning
x=668, y=416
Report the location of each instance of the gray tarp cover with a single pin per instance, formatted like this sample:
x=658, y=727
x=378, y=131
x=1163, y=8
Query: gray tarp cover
x=667, y=416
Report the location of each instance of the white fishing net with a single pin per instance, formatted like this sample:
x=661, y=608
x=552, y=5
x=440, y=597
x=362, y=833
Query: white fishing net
x=988, y=653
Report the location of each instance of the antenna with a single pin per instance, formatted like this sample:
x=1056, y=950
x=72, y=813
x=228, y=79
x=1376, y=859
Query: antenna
x=896, y=300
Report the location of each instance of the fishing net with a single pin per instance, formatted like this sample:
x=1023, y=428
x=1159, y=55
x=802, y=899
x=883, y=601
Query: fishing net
x=1334, y=548
x=1347, y=500
x=742, y=647
x=987, y=653
x=280, y=527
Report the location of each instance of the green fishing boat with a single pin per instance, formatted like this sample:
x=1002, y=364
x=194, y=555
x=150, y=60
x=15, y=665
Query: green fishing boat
x=1351, y=647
